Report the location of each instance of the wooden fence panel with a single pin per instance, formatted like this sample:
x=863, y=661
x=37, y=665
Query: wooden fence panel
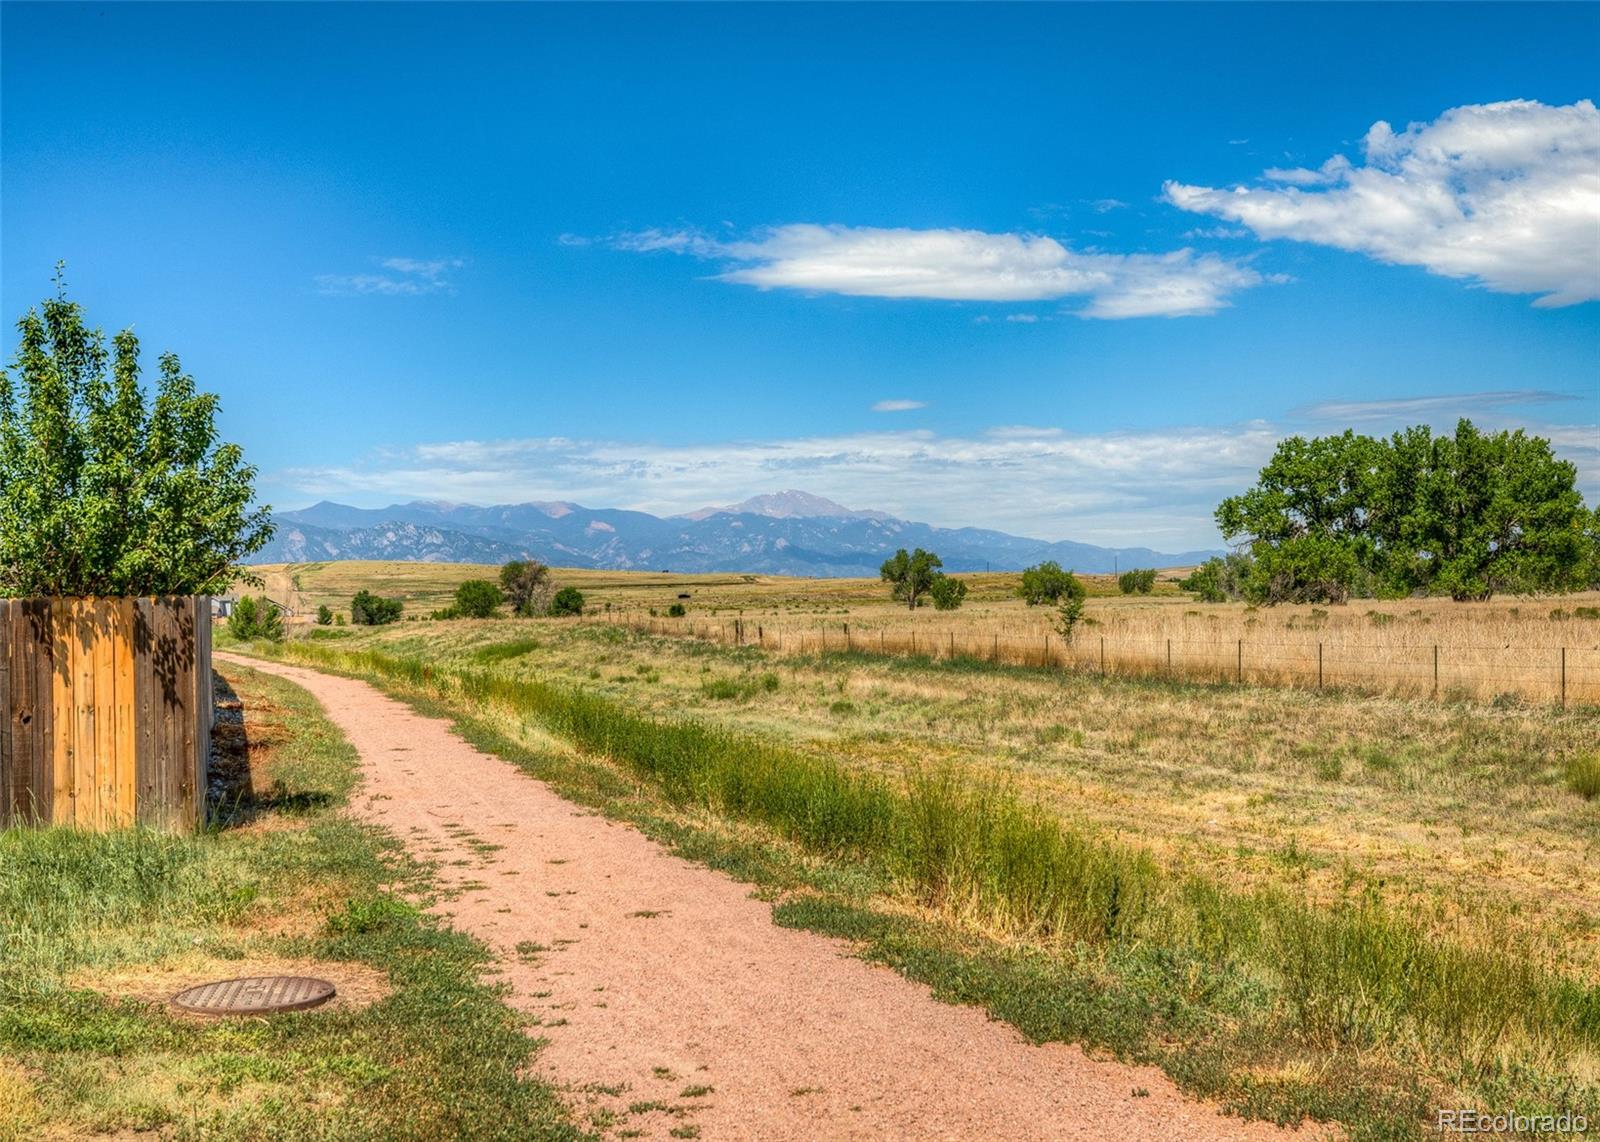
x=107, y=711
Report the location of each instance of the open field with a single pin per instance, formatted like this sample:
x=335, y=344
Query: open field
x=1351, y=906
x=98, y=930
x=1542, y=650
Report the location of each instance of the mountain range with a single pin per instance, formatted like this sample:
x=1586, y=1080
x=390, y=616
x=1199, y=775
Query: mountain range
x=785, y=533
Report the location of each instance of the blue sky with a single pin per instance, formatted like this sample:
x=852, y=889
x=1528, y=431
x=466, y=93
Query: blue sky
x=1064, y=270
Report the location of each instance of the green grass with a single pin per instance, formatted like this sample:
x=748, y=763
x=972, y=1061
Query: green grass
x=1583, y=776
x=1256, y=989
x=282, y=876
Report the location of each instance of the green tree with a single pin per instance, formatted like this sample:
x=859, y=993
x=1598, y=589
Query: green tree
x=567, y=601
x=1045, y=583
x=1305, y=521
x=1220, y=580
x=477, y=599
x=324, y=615
x=1467, y=515
x=254, y=617
x=526, y=583
x=367, y=609
x=911, y=576
x=103, y=492
x=1473, y=514
x=1140, y=581
x=947, y=592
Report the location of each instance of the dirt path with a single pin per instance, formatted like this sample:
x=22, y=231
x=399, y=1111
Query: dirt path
x=658, y=975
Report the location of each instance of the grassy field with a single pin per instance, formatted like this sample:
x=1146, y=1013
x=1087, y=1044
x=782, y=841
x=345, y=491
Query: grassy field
x=1359, y=908
x=1545, y=650
x=98, y=930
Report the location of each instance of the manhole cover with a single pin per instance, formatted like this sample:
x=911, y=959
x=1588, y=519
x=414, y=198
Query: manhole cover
x=255, y=995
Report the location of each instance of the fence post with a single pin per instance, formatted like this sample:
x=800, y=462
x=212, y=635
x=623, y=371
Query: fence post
x=994, y=655
x=1047, y=649
x=847, y=636
x=1319, y=666
x=880, y=641
x=1169, y=656
x=1238, y=673
x=1102, y=656
x=1563, y=678
x=913, y=644
x=1435, y=670
x=952, y=644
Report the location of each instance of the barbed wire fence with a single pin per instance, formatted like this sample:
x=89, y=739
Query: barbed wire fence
x=1563, y=675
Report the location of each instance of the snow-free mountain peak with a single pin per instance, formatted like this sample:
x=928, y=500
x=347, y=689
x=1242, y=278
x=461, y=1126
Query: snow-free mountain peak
x=789, y=504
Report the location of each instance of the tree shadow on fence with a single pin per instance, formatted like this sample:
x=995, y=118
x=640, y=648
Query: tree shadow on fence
x=237, y=794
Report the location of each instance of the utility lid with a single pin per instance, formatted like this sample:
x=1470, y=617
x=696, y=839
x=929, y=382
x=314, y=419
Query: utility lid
x=255, y=995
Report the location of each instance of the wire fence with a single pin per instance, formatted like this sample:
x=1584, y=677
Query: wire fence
x=1560, y=674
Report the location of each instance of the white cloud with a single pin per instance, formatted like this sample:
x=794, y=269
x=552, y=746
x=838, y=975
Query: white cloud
x=406, y=277
x=899, y=405
x=1506, y=195
x=1022, y=318
x=963, y=265
x=1442, y=406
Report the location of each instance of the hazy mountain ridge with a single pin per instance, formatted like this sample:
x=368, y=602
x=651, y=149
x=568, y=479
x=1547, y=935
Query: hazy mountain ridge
x=785, y=533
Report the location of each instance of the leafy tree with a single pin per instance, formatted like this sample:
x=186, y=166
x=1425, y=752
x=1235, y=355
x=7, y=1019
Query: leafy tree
x=103, y=492
x=256, y=618
x=1473, y=514
x=567, y=601
x=1140, y=581
x=367, y=609
x=324, y=615
x=526, y=583
x=1219, y=580
x=477, y=599
x=1306, y=519
x=1466, y=515
x=1045, y=583
x=911, y=575
x=947, y=592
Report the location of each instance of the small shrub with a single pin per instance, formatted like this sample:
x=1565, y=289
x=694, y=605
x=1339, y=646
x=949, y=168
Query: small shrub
x=568, y=601
x=769, y=682
x=324, y=615
x=1586, y=612
x=947, y=593
x=478, y=599
x=1140, y=581
x=1583, y=776
x=676, y=611
x=367, y=609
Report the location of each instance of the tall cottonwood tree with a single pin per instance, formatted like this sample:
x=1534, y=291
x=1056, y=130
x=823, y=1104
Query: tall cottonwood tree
x=103, y=492
x=1467, y=515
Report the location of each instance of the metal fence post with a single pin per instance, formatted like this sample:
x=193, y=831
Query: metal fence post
x=1563, y=678
x=1238, y=672
x=1435, y=670
x=1319, y=666
x=1102, y=656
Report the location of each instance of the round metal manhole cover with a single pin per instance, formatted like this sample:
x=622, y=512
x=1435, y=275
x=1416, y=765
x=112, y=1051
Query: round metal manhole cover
x=255, y=995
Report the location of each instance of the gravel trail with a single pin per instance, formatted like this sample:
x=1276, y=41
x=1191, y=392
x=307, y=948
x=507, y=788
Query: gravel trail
x=671, y=1000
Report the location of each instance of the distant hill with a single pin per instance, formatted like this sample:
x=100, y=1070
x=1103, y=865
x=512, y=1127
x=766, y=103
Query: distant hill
x=785, y=533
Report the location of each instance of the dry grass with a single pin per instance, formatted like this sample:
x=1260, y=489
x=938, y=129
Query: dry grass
x=1313, y=792
x=1505, y=649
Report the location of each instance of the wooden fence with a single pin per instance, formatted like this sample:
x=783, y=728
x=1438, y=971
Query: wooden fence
x=107, y=711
